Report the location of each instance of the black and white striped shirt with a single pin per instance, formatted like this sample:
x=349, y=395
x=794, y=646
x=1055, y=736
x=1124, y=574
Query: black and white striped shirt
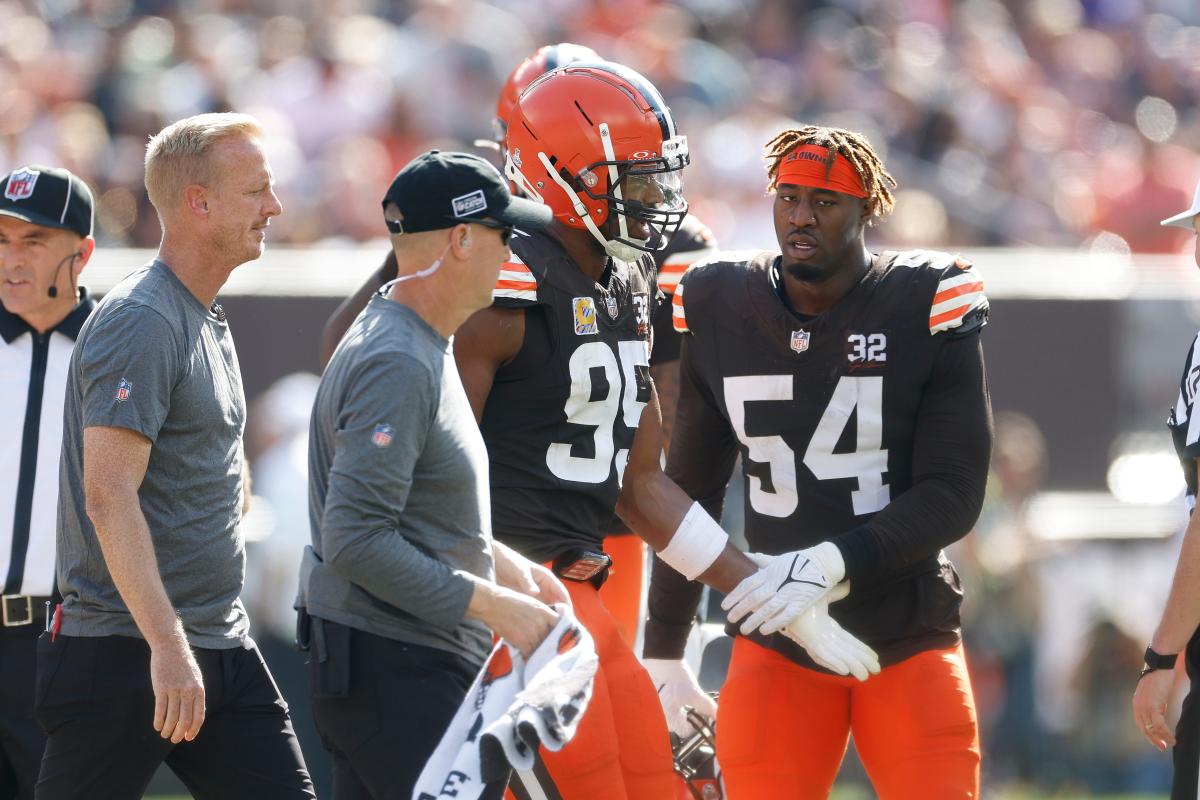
x=33, y=379
x=1184, y=422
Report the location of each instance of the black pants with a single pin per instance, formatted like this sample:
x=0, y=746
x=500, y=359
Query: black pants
x=381, y=707
x=95, y=701
x=21, y=740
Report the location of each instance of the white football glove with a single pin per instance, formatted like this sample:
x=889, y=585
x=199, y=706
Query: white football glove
x=825, y=641
x=786, y=587
x=678, y=688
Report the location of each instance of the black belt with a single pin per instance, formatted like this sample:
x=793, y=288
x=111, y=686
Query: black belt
x=20, y=610
x=583, y=566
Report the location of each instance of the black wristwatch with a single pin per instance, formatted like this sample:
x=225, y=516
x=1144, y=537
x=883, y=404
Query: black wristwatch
x=1156, y=661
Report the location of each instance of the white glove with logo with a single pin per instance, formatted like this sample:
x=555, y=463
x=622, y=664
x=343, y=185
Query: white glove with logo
x=784, y=588
x=825, y=641
x=677, y=687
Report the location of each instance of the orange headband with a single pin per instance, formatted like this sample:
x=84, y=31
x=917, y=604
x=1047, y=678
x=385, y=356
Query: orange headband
x=805, y=166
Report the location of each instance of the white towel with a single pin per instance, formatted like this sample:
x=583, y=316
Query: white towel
x=513, y=707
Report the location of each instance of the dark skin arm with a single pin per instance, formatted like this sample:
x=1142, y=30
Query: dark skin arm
x=666, y=383
x=488, y=340
x=650, y=502
x=653, y=505
x=339, y=322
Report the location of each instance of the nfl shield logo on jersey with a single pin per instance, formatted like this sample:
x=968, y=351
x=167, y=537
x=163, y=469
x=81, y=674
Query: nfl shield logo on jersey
x=585, y=316
x=382, y=436
x=20, y=184
x=124, y=388
x=610, y=303
x=800, y=340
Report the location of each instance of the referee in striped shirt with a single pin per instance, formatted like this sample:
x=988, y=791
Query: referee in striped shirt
x=45, y=241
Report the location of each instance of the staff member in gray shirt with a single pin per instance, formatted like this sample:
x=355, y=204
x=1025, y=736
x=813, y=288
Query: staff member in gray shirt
x=150, y=658
x=403, y=580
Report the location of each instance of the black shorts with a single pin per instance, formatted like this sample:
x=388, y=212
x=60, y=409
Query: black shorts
x=95, y=701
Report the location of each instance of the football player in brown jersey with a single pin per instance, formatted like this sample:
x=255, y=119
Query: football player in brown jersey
x=557, y=373
x=557, y=370
x=622, y=594
x=853, y=386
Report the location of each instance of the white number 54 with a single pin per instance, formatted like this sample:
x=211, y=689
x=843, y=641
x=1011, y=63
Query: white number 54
x=867, y=463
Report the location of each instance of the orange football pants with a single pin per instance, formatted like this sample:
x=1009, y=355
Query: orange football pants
x=622, y=592
x=782, y=729
x=622, y=750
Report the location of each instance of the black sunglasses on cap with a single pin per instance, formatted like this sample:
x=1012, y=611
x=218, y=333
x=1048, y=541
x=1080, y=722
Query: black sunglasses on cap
x=506, y=231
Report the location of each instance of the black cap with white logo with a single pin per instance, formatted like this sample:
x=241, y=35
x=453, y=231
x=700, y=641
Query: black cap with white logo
x=440, y=190
x=47, y=196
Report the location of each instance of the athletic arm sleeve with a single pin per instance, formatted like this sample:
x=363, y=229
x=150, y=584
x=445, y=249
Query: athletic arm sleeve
x=952, y=444
x=369, y=486
x=703, y=451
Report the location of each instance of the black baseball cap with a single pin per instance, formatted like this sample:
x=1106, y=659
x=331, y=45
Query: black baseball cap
x=47, y=196
x=440, y=190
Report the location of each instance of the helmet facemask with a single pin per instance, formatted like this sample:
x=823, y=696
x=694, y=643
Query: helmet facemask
x=643, y=194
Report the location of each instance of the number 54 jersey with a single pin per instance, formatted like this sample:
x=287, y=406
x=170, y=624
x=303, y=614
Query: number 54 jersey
x=561, y=416
x=867, y=425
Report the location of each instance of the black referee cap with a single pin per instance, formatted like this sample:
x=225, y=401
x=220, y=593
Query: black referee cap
x=48, y=196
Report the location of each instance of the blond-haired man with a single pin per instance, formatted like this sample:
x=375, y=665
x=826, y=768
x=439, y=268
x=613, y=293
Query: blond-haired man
x=150, y=660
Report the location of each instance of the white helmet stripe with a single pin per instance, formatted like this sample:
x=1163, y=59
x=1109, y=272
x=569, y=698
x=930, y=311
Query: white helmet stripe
x=614, y=177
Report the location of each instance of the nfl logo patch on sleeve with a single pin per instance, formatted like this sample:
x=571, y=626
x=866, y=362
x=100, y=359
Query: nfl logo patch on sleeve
x=382, y=436
x=124, y=389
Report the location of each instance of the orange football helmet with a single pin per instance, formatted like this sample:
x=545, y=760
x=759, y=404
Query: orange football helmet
x=547, y=58
x=597, y=143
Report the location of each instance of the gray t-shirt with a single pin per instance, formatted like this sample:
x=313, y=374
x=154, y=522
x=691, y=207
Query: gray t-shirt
x=152, y=359
x=398, y=488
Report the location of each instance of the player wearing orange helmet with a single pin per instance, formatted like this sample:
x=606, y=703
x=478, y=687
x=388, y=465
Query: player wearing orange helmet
x=623, y=593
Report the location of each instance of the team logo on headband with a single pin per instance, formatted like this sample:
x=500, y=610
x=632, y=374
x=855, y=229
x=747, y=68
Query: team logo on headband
x=20, y=184
x=800, y=340
x=585, y=316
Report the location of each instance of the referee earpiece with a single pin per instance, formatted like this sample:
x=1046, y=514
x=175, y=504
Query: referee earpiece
x=465, y=240
x=52, y=292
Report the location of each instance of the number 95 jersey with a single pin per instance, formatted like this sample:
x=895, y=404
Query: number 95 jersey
x=837, y=417
x=561, y=416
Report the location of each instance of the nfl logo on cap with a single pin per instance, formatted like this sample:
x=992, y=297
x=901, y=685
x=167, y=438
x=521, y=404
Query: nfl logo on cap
x=20, y=185
x=800, y=340
x=382, y=436
x=123, y=390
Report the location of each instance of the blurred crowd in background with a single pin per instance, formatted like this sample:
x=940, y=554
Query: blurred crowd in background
x=1007, y=123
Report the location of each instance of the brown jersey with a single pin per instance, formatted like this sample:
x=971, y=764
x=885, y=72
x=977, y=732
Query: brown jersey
x=561, y=416
x=840, y=419
x=691, y=244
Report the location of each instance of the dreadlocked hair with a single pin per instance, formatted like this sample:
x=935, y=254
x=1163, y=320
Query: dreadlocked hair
x=852, y=146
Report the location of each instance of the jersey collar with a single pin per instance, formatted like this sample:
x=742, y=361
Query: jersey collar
x=12, y=326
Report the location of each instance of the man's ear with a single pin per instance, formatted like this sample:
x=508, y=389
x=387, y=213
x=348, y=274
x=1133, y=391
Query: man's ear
x=195, y=197
x=460, y=240
x=87, y=246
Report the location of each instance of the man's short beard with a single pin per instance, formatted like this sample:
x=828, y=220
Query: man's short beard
x=809, y=273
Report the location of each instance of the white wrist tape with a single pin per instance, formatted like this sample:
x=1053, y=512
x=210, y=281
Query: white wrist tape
x=697, y=543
